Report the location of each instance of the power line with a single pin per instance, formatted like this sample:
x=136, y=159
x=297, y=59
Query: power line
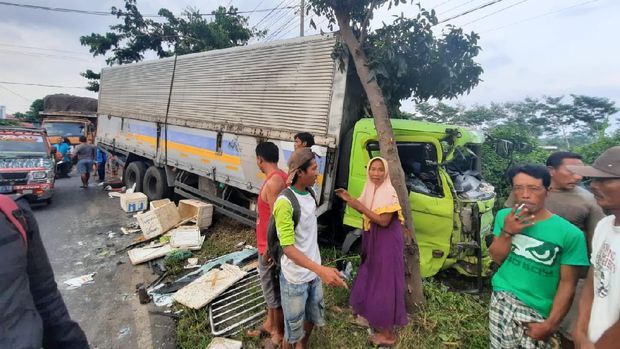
x=471, y=11
x=495, y=12
x=457, y=6
x=277, y=17
x=15, y=93
x=43, y=49
x=33, y=84
x=541, y=15
x=105, y=13
x=269, y=14
x=441, y=4
x=286, y=23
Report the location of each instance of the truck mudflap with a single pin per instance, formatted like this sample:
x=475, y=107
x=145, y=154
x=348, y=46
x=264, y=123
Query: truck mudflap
x=469, y=253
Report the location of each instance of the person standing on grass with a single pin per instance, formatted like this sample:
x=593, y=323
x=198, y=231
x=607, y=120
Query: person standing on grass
x=267, y=157
x=303, y=140
x=598, y=323
x=578, y=206
x=301, y=273
x=540, y=257
x=378, y=293
x=86, y=154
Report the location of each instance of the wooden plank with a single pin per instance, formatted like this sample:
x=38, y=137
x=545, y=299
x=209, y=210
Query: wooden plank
x=158, y=203
x=145, y=254
x=207, y=287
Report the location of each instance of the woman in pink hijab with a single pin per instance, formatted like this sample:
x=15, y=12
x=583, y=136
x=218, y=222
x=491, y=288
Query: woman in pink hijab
x=378, y=293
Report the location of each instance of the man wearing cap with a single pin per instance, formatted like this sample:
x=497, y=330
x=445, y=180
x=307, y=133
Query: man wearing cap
x=301, y=270
x=598, y=323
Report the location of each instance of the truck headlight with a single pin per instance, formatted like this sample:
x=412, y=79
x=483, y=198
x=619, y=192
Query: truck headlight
x=38, y=175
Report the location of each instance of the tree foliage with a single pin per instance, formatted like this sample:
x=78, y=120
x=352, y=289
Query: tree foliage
x=401, y=60
x=32, y=115
x=135, y=35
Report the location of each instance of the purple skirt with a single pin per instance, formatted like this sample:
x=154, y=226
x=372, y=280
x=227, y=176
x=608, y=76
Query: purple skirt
x=378, y=292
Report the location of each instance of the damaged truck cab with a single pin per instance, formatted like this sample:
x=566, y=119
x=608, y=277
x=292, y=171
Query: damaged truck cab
x=451, y=206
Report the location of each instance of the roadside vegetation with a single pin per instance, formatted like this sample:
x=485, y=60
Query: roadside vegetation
x=449, y=320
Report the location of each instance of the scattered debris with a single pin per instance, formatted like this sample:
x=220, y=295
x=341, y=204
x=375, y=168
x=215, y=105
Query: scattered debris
x=166, y=239
x=133, y=202
x=111, y=235
x=143, y=296
x=114, y=194
x=224, y=343
x=158, y=221
x=144, y=254
x=241, y=306
x=127, y=231
x=124, y=332
x=203, y=290
x=178, y=256
x=240, y=245
x=198, y=211
x=185, y=236
x=168, y=313
x=79, y=281
x=191, y=263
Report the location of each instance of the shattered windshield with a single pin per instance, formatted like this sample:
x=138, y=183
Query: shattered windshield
x=64, y=129
x=419, y=161
x=466, y=158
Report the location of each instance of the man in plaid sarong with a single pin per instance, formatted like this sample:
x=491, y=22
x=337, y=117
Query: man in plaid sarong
x=540, y=255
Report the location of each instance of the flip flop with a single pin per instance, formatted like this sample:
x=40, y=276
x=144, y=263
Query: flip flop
x=378, y=344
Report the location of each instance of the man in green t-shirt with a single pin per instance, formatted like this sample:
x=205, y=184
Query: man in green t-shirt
x=540, y=256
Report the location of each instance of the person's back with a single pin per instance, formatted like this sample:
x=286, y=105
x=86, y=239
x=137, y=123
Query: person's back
x=32, y=312
x=86, y=151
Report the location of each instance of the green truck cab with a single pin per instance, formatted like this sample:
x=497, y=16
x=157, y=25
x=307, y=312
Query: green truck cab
x=451, y=206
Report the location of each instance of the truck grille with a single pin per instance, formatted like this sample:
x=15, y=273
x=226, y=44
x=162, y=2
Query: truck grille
x=14, y=178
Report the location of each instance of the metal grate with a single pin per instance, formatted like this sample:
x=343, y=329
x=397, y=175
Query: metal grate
x=15, y=178
x=240, y=307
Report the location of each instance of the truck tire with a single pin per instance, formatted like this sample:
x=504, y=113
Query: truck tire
x=155, y=185
x=134, y=174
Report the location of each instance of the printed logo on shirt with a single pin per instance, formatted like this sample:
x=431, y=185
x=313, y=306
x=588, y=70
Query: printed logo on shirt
x=535, y=250
x=604, y=266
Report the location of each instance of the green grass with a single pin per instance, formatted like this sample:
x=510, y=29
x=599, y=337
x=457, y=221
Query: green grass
x=449, y=319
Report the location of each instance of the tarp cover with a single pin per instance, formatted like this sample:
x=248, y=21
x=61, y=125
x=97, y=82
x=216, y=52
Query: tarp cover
x=69, y=103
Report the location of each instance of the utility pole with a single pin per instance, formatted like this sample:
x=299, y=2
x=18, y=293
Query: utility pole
x=301, y=18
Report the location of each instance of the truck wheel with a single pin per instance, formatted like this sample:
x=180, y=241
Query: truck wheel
x=134, y=174
x=155, y=185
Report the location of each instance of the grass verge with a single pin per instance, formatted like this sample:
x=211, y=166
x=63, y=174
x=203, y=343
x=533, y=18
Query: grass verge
x=449, y=319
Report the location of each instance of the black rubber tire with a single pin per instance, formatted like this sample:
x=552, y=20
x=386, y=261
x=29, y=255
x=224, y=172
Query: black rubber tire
x=134, y=173
x=155, y=185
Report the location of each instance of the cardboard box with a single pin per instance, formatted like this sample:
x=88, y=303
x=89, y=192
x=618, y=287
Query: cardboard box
x=202, y=212
x=134, y=202
x=185, y=236
x=159, y=220
x=158, y=203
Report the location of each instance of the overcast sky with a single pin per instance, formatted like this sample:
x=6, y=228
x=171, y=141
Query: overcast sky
x=530, y=48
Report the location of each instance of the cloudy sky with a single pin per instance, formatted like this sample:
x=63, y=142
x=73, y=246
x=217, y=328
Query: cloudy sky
x=530, y=48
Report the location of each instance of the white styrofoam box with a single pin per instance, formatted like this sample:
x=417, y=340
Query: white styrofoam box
x=134, y=202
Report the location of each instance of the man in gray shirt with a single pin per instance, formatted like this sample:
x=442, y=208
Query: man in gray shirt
x=576, y=205
x=86, y=154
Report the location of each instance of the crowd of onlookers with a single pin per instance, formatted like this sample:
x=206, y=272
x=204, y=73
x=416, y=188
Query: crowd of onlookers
x=555, y=245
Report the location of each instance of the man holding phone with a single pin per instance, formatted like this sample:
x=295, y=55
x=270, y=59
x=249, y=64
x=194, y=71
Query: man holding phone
x=540, y=256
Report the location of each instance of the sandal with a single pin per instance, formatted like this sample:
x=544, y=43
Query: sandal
x=375, y=343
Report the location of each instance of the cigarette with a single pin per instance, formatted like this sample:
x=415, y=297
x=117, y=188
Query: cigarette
x=520, y=206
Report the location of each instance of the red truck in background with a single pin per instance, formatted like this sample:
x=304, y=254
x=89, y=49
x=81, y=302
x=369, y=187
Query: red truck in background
x=27, y=165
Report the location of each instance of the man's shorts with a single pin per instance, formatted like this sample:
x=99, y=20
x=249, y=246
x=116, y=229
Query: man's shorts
x=84, y=166
x=300, y=303
x=508, y=317
x=568, y=323
x=269, y=283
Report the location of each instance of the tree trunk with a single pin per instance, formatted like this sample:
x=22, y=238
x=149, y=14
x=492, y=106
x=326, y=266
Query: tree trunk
x=414, y=296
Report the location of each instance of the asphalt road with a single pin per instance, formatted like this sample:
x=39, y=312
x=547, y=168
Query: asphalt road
x=81, y=232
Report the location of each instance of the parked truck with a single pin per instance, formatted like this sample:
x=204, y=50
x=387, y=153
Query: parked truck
x=69, y=116
x=190, y=125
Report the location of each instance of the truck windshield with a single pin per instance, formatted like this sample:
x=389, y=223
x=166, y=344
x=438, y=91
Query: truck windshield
x=465, y=159
x=64, y=129
x=22, y=144
x=419, y=161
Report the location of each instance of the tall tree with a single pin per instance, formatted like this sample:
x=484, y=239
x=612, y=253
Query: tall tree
x=190, y=32
x=32, y=115
x=401, y=60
